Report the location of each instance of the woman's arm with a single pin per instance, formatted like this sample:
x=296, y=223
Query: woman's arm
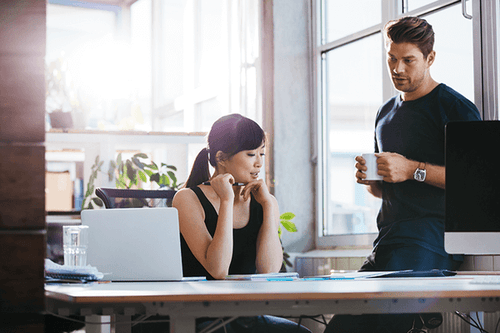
x=215, y=253
x=269, y=252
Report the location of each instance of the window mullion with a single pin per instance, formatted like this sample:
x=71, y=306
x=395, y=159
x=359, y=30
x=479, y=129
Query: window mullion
x=391, y=9
x=485, y=25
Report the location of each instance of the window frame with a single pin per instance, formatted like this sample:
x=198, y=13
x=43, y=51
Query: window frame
x=486, y=92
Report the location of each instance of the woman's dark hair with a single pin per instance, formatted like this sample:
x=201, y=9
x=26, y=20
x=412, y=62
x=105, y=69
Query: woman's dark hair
x=412, y=30
x=229, y=134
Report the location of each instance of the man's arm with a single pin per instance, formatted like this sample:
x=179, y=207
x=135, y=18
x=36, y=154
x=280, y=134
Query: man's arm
x=396, y=168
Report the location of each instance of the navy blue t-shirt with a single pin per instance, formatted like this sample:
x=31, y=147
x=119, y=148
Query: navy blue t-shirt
x=413, y=212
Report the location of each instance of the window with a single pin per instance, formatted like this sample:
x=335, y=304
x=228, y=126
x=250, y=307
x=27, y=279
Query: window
x=83, y=62
x=173, y=66
x=354, y=91
x=148, y=66
x=205, y=59
x=341, y=20
x=353, y=84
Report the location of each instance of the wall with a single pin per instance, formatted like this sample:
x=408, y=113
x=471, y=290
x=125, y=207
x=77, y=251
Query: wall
x=22, y=165
x=294, y=183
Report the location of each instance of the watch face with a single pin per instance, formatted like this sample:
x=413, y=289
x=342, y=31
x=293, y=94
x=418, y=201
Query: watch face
x=419, y=175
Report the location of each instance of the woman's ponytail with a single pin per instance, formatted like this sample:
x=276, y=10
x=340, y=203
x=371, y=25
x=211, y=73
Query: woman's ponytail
x=200, y=172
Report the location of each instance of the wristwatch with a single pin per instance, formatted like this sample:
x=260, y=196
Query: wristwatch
x=420, y=173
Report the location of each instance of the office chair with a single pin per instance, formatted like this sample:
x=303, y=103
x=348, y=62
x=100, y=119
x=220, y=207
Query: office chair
x=129, y=198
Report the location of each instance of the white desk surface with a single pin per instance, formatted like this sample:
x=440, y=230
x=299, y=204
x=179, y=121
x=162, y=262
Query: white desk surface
x=378, y=288
x=188, y=300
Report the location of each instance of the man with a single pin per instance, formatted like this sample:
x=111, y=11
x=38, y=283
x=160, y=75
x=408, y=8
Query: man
x=409, y=144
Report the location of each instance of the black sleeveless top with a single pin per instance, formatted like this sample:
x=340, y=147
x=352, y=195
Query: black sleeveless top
x=244, y=241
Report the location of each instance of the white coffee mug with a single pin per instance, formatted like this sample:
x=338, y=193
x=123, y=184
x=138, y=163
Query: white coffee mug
x=372, y=168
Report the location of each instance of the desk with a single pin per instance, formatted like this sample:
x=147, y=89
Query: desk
x=184, y=301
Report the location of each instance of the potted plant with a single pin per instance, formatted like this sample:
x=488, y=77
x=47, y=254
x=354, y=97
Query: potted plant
x=288, y=225
x=130, y=173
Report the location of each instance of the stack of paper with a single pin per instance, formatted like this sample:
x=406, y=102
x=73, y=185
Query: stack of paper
x=61, y=273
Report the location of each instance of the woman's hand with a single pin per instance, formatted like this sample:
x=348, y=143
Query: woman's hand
x=259, y=190
x=223, y=186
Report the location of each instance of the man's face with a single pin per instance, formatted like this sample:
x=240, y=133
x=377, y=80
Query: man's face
x=407, y=66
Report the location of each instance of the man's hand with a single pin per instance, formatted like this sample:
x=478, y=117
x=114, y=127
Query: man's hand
x=395, y=167
x=373, y=185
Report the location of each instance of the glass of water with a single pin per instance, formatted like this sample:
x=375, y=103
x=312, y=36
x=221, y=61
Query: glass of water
x=75, y=242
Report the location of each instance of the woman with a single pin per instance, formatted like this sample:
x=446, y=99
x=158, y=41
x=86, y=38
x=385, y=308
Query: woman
x=229, y=220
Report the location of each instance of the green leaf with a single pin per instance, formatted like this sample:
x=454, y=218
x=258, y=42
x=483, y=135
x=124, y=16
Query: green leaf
x=172, y=176
x=164, y=180
x=143, y=177
x=139, y=164
x=154, y=166
x=287, y=216
x=98, y=202
x=111, y=170
x=120, y=183
x=155, y=177
x=130, y=171
x=289, y=226
x=141, y=155
x=172, y=167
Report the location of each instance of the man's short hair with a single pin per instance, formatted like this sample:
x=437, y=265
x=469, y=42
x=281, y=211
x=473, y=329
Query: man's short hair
x=411, y=29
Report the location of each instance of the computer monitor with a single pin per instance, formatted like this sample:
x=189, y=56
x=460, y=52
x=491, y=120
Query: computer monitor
x=472, y=199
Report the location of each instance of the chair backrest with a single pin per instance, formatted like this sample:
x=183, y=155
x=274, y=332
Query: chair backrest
x=129, y=198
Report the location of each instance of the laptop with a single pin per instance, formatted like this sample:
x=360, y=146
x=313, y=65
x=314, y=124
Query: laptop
x=134, y=244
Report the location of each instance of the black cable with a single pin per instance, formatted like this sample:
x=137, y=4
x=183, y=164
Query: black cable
x=469, y=320
x=479, y=321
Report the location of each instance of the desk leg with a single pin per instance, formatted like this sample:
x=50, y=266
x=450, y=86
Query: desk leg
x=480, y=316
x=97, y=324
x=181, y=324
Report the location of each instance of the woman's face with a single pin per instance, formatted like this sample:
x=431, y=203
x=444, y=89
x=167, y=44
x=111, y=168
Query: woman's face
x=245, y=165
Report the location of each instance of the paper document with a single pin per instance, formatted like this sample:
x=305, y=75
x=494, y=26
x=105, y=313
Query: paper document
x=288, y=276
